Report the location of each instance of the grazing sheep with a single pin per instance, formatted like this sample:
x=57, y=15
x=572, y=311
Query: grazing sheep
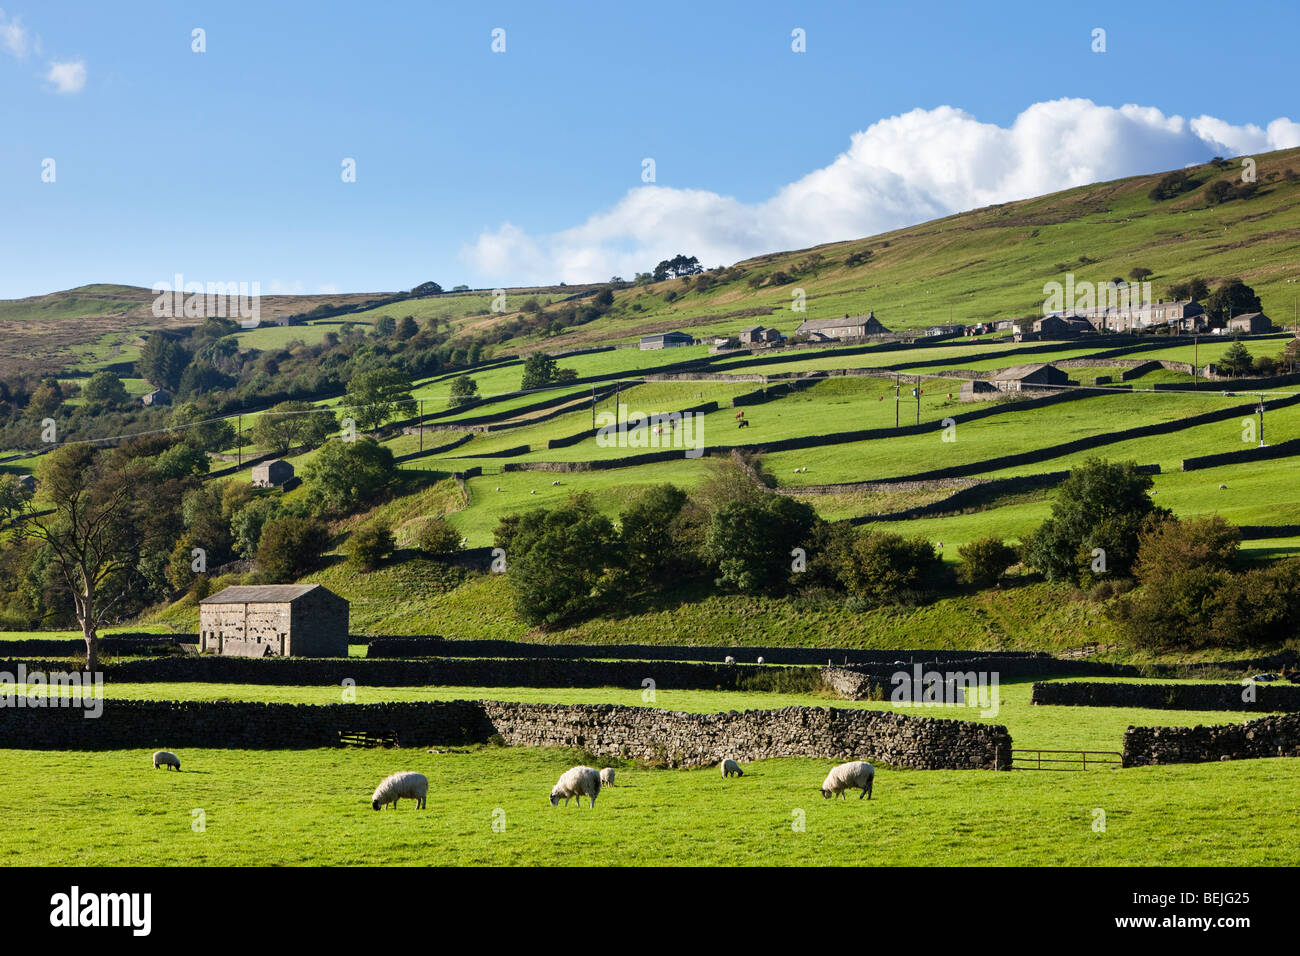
x=731, y=769
x=1223, y=487
x=728, y=659
x=165, y=759
x=744, y=423
x=555, y=484
x=607, y=776
x=576, y=782
x=761, y=661
x=533, y=492
x=403, y=784
x=857, y=775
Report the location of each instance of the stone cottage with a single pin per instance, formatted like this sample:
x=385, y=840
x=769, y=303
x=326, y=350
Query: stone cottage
x=274, y=620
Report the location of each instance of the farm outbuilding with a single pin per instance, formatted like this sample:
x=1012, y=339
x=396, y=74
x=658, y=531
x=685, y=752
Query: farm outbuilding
x=978, y=390
x=274, y=620
x=758, y=335
x=1251, y=323
x=270, y=474
x=1029, y=377
x=159, y=396
x=665, y=340
x=848, y=327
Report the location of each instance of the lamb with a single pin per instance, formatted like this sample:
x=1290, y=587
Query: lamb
x=577, y=782
x=855, y=775
x=731, y=769
x=165, y=759
x=403, y=784
x=607, y=776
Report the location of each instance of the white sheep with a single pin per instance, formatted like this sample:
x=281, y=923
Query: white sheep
x=555, y=484
x=164, y=759
x=761, y=661
x=576, y=782
x=404, y=784
x=607, y=776
x=729, y=660
x=731, y=769
x=856, y=775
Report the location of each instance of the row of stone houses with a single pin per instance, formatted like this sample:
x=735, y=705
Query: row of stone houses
x=847, y=327
x=1181, y=315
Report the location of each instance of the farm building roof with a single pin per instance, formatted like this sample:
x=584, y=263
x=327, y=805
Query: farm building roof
x=261, y=594
x=1019, y=372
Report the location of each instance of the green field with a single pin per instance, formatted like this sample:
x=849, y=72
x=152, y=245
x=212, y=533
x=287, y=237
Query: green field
x=311, y=807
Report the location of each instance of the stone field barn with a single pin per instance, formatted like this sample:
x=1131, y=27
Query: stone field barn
x=274, y=620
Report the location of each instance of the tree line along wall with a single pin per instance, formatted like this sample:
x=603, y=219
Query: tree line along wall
x=1266, y=697
x=1277, y=736
x=678, y=739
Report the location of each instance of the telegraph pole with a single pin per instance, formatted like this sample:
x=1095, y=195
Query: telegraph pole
x=593, y=406
x=419, y=425
x=239, y=442
x=897, y=398
x=1261, y=421
x=1196, y=341
x=918, y=399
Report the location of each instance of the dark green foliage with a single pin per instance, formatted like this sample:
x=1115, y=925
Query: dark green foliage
x=290, y=547
x=293, y=424
x=370, y=545
x=463, y=390
x=1173, y=184
x=105, y=390
x=881, y=567
x=1100, y=506
x=438, y=536
x=1236, y=360
x=375, y=396
x=984, y=561
x=348, y=475
x=561, y=562
x=652, y=547
x=750, y=542
x=1231, y=299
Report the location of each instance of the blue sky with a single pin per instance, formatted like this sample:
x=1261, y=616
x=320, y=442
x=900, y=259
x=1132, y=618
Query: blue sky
x=499, y=169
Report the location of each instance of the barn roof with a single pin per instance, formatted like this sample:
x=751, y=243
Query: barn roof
x=261, y=594
x=1020, y=371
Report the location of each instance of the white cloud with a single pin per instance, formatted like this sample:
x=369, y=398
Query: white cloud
x=14, y=37
x=897, y=172
x=286, y=287
x=67, y=76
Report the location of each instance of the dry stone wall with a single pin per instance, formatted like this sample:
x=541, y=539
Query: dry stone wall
x=1268, y=697
x=1266, y=737
x=679, y=739
x=693, y=740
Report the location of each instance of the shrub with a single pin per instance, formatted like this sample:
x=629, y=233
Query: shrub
x=983, y=562
x=437, y=536
x=885, y=568
x=370, y=544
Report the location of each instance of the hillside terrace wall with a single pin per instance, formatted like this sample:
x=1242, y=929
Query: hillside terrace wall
x=1268, y=697
x=421, y=672
x=681, y=740
x=1266, y=737
x=434, y=646
x=1283, y=449
x=790, y=444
